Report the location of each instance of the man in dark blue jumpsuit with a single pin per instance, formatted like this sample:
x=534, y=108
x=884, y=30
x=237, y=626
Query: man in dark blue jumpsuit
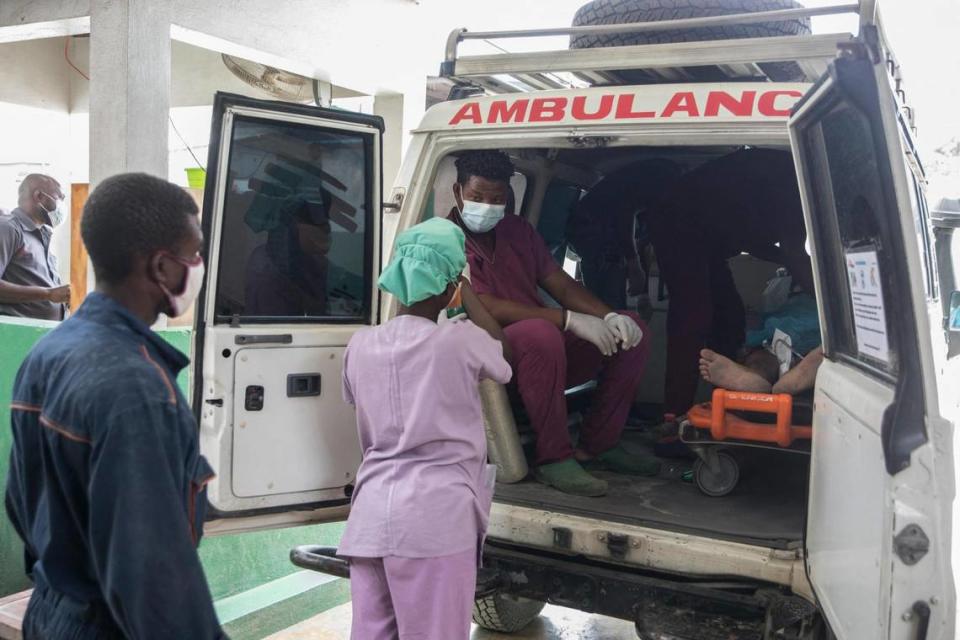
x=106, y=483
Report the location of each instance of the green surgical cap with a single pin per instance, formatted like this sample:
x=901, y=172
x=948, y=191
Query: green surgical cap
x=426, y=258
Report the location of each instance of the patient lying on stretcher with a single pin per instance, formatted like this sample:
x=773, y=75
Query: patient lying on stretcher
x=783, y=356
x=754, y=373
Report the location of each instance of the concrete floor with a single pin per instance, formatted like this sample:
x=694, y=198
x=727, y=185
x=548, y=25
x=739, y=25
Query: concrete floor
x=555, y=623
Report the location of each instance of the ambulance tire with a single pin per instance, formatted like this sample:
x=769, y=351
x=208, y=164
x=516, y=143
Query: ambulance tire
x=505, y=613
x=601, y=12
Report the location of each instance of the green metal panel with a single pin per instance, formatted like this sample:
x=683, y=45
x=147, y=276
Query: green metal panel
x=16, y=339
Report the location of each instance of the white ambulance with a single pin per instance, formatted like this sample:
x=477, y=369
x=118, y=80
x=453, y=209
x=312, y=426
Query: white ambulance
x=854, y=541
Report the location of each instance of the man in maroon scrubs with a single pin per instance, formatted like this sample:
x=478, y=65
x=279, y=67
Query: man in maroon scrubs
x=554, y=348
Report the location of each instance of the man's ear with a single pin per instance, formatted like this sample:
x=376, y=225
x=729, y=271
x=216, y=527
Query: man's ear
x=155, y=268
x=161, y=270
x=458, y=194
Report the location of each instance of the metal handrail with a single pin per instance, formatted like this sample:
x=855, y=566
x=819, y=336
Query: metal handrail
x=647, y=56
x=457, y=35
x=579, y=61
x=320, y=558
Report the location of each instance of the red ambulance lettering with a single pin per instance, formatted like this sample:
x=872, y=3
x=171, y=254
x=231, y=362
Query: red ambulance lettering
x=579, y=108
x=625, y=108
x=742, y=107
x=501, y=112
x=470, y=112
x=768, y=102
x=746, y=104
x=685, y=102
x=547, y=109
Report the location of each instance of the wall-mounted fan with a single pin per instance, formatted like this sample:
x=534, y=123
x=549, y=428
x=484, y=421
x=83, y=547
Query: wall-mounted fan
x=285, y=85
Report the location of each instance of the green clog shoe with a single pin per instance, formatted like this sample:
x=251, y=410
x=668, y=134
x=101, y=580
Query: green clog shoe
x=619, y=460
x=569, y=477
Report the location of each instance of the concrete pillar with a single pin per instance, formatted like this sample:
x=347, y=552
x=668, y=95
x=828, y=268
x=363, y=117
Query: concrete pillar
x=129, y=87
x=414, y=90
x=389, y=106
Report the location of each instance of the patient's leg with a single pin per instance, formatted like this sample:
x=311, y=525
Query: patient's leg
x=723, y=372
x=803, y=376
x=764, y=363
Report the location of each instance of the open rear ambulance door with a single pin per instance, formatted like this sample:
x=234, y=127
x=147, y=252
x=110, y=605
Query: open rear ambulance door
x=878, y=533
x=291, y=223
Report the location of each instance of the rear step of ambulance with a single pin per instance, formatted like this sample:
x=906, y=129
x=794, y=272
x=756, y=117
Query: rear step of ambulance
x=658, y=606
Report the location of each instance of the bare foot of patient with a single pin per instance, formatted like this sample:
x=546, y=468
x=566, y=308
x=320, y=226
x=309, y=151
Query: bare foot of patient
x=721, y=371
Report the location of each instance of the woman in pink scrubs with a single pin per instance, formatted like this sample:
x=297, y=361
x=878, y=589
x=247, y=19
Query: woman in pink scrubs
x=424, y=488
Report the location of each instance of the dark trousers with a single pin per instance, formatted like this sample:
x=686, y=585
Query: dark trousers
x=51, y=615
x=547, y=361
x=705, y=308
x=606, y=278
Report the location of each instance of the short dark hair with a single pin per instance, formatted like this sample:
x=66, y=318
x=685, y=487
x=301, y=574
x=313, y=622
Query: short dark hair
x=130, y=215
x=33, y=181
x=489, y=164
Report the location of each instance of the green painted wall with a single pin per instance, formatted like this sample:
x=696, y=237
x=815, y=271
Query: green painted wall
x=16, y=338
x=241, y=561
x=233, y=563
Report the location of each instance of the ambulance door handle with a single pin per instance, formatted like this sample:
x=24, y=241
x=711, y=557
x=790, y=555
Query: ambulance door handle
x=278, y=338
x=303, y=385
x=921, y=611
x=253, y=398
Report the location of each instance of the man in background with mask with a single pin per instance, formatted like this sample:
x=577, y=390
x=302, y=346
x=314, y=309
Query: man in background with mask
x=554, y=348
x=30, y=283
x=106, y=483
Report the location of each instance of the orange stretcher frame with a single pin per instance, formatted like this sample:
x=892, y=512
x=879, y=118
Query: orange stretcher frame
x=723, y=425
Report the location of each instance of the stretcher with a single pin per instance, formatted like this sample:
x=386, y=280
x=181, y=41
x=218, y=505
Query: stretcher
x=738, y=419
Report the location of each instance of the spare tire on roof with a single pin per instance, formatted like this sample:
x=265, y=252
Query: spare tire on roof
x=600, y=12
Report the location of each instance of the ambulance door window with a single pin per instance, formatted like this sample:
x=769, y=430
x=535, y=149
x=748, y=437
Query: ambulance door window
x=297, y=228
x=856, y=252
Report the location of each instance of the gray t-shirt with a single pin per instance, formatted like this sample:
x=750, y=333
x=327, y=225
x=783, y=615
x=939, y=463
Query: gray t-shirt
x=26, y=260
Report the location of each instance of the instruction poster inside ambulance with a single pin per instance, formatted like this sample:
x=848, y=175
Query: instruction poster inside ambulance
x=869, y=316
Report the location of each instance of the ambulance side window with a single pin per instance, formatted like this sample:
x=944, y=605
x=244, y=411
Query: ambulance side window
x=854, y=251
x=297, y=230
x=921, y=221
x=947, y=239
x=921, y=214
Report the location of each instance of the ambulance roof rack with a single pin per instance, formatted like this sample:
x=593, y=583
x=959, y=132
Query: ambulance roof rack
x=736, y=59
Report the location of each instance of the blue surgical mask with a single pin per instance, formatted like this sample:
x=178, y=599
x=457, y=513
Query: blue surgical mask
x=480, y=217
x=55, y=215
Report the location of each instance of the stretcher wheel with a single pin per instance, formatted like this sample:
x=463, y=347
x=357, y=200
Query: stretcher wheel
x=719, y=478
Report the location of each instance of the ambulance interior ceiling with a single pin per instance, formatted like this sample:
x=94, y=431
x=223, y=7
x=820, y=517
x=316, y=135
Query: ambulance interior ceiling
x=600, y=161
